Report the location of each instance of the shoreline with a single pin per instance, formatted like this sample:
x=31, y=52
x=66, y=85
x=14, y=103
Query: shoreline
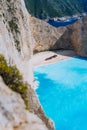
x=48, y=57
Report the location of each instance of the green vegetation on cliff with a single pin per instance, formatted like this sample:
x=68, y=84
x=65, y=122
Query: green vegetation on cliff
x=55, y=8
x=13, y=79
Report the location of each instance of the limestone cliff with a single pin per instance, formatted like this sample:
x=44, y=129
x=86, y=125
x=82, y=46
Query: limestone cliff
x=78, y=37
x=16, y=44
x=72, y=37
x=48, y=37
x=45, y=35
x=13, y=115
x=15, y=36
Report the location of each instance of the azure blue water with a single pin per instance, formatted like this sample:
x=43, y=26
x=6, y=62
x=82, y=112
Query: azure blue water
x=63, y=93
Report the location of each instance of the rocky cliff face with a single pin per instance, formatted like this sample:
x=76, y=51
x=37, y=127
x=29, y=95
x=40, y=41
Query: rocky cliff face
x=15, y=36
x=13, y=115
x=45, y=35
x=75, y=38
x=16, y=44
x=48, y=37
x=78, y=37
x=72, y=37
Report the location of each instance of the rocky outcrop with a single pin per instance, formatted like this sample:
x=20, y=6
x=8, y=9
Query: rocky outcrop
x=64, y=42
x=78, y=37
x=36, y=108
x=72, y=37
x=75, y=37
x=13, y=115
x=45, y=35
x=15, y=36
x=16, y=44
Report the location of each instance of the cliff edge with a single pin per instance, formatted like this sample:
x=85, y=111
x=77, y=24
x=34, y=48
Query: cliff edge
x=16, y=44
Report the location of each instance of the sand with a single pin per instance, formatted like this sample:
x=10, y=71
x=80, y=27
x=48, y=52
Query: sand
x=48, y=57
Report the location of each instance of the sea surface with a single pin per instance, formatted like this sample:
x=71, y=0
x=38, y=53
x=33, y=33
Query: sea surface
x=62, y=23
x=62, y=91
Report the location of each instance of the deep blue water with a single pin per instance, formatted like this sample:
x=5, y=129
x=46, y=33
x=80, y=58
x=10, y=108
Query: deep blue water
x=62, y=23
x=63, y=93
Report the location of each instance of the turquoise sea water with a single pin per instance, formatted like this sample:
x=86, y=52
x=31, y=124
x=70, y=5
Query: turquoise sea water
x=63, y=93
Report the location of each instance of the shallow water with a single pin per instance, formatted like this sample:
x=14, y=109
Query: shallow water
x=63, y=93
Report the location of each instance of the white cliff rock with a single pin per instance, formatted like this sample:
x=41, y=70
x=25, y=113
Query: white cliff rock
x=16, y=44
x=13, y=115
x=45, y=36
x=16, y=41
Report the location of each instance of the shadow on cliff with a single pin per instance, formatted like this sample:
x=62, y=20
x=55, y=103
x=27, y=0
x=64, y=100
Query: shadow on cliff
x=65, y=41
x=65, y=44
x=74, y=38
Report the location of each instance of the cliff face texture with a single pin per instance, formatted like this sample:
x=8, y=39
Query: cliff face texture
x=46, y=36
x=72, y=37
x=16, y=44
x=75, y=37
x=78, y=37
x=13, y=115
x=15, y=36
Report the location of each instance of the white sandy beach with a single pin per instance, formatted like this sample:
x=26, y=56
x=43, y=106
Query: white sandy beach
x=48, y=57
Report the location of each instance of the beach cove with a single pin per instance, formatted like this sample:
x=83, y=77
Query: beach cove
x=62, y=90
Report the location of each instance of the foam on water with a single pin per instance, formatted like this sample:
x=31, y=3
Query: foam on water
x=63, y=93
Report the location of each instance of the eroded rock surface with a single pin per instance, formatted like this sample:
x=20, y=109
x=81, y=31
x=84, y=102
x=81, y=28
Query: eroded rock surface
x=72, y=37
x=16, y=44
x=79, y=37
x=45, y=36
x=75, y=38
x=13, y=115
x=15, y=36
